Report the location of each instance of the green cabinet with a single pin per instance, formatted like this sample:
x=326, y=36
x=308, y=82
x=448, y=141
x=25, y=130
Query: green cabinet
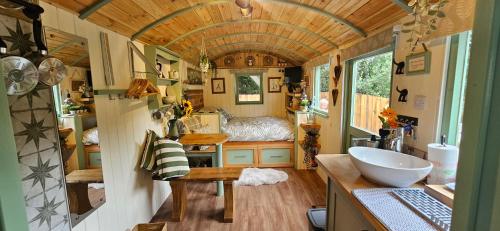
x=95, y=160
x=240, y=157
x=275, y=156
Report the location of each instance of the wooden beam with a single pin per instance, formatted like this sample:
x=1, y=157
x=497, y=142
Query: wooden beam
x=220, y=24
x=207, y=40
x=62, y=46
x=270, y=48
x=214, y=2
x=252, y=43
x=403, y=4
x=175, y=14
x=79, y=59
x=342, y=21
x=87, y=11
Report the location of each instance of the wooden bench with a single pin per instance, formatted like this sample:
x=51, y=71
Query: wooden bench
x=179, y=189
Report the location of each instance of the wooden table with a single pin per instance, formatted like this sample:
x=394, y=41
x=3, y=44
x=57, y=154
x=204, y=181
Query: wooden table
x=77, y=184
x=226, y=175
x=209, y=139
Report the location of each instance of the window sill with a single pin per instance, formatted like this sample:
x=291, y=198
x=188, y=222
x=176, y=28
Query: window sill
x=320, y=113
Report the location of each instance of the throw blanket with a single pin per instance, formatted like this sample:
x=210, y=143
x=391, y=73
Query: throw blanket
x=257, y=176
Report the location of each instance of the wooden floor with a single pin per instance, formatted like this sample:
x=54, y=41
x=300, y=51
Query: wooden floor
x=281, y=206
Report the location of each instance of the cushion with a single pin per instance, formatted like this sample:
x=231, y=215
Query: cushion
x=90, y=136
x=225, y=114
x=171, y=159
x=148, y=159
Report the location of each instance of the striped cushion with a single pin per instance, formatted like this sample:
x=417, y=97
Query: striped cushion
x=170, y=159
x=148, y=160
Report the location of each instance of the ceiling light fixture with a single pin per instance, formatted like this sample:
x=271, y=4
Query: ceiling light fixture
x=246, y=8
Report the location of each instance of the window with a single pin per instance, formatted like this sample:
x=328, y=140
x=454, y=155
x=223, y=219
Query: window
x=371, y=90
x=249, y=89
x=453, y=107
x=321, y=88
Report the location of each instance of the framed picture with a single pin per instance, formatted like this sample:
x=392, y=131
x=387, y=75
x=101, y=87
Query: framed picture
x=274, y=84
x=218, y=86
x=77, y=85
x=194, y=77
x=418, y=64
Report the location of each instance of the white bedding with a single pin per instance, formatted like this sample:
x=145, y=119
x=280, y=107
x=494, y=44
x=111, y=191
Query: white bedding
x=258, y=129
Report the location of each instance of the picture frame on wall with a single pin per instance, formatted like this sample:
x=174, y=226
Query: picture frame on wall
x=273, y=84
x=77, y=85
x=218, y=86
x=417, y=64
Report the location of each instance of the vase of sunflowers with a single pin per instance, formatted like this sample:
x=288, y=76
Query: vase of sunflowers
x=176, y=112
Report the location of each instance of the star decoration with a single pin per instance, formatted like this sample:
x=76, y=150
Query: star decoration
x=46, y=212
x=40, y=172
x=20, y=41
x=33, y=93
x=34, y=130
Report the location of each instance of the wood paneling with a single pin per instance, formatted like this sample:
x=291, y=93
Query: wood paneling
x=281, y=206
x=122, y=127
x=273, y=102
x=187, y=21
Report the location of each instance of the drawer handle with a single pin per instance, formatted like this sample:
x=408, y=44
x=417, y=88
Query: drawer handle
x=276, y=156
x=239, y=157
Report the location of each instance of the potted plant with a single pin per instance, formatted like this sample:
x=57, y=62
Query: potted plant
x=204, y=63
x=73, y=109
x=304, y=104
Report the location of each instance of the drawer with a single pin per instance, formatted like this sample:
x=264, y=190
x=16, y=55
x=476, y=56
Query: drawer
x=275, y=156
x=239, y=157
x=94, y=160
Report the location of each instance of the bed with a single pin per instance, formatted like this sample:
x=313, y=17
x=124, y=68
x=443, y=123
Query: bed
x=253, y=141
x=258, y=129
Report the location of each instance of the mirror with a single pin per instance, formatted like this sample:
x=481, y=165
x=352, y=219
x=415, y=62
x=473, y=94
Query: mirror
x=79, y=140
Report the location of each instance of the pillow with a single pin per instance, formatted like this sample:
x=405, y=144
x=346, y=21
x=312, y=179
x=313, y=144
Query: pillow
x=90, y=136
x=148, y=159
x=171, y=160
x=225, y=113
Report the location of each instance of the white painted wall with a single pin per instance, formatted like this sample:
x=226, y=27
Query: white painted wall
x=429, y=85
x=131, y=196
x=274, y=103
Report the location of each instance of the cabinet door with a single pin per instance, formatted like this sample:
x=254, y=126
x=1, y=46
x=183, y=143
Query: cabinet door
x=342, y=215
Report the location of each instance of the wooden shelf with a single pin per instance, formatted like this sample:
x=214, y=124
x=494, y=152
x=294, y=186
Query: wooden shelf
x=291, y=109
x=310, y=126
x=297, y=95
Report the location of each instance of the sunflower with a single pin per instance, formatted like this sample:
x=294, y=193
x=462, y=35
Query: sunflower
x=188, y=107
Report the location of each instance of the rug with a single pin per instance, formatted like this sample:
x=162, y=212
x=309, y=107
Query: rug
x=257, y=176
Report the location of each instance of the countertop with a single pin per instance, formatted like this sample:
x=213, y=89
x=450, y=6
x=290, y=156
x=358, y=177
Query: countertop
x=346, y=177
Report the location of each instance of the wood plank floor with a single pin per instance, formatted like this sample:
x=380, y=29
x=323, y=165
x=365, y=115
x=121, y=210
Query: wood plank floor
x=281, y=206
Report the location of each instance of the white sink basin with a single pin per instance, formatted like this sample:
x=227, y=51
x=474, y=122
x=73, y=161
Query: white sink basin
x=389, y=168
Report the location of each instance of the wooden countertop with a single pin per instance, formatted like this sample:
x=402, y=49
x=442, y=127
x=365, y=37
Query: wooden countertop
x=203, y=139
x=346, y=177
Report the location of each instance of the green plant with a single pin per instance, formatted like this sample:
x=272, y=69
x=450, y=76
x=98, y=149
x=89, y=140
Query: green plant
x=304, y=103
x=74, y=108
x=425, y=17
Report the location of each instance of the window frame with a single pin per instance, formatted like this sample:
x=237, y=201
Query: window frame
x=316, y=89
x=457, y=72
x=237, y=93
x=348, y=130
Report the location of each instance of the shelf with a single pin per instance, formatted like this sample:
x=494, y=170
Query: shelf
x=297, y=95
x=291, y=109
x=166, y=82
x=310, y=126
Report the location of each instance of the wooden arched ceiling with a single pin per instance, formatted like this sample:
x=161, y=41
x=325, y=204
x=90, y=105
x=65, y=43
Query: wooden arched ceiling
x=309, y=27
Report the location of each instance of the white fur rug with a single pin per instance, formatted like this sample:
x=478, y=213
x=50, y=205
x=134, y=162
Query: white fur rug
x=257, y=176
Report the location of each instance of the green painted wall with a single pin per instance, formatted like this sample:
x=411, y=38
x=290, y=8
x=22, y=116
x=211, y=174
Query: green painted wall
x=12, y=210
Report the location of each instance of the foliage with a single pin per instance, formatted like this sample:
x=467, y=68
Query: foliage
x=247, y=86
x=177, y=110
x=324, y=77
x=374, y=75
x=424, y=22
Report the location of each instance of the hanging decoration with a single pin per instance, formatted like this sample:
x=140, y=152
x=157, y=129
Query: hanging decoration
x=425, y=17
x=204, y=62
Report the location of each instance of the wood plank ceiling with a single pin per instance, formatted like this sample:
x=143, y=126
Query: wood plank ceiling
x=301, y=29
